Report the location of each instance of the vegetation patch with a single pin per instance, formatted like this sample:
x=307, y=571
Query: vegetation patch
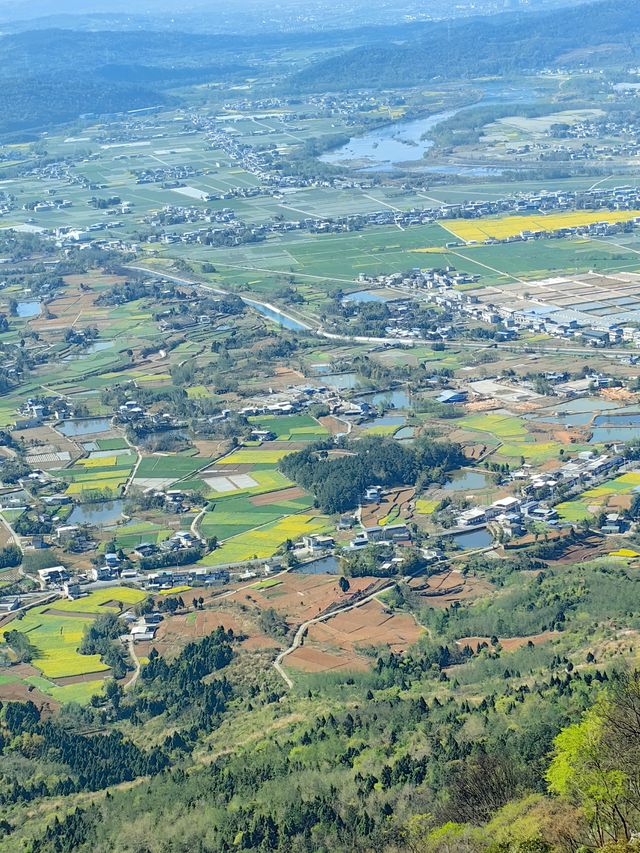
x=479, y=230
x=98, y=601
x=262, y=543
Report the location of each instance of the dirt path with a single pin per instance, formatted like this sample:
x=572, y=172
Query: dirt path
x=302, y=630
x=136, y=662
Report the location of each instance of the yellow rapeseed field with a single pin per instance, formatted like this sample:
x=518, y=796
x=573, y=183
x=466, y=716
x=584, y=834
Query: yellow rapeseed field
x=479, y=230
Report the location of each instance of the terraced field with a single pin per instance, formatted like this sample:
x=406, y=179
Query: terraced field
x=55, y=632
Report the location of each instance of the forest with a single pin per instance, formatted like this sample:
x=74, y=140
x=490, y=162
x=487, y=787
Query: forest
x=396, y=775
x=338, y=482
x=477, y=47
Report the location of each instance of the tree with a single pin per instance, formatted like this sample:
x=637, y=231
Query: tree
x=344, y=584
x=596, y=763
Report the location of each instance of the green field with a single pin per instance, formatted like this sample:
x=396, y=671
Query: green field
x=263, y=543
x=129, y=535
x=56, y=639
x=267, y=479
x=248, y=456
x=57, y=636
x=290, y=427
x=97, y=601
x=174, y=467
x=579, y=509
x=233, y=515
x=502, y=426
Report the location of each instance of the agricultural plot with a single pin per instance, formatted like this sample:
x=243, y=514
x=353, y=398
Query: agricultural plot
x=223, y=482
x=334, y=644
x=56, y=639
x=16, y=687
x=249, y=456
x=479, y=230
x=265, y=541
x=160, y=471
x=322, y=263
x=97, y=472
x=102, y=600
x=165, y=467
x=233, y=515
x=290, y=427
x=511, y=263
x=55, y=632
x=298, y=596
x=128, y=536
x=426, y=506
x=515, y=438
x=501, y=426
x=614, y=495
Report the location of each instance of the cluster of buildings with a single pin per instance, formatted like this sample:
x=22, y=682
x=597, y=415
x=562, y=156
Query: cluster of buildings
x=509, y=513
x=595, y=309
x=173, y=214
x=166, y=175
x=513, y=512
x=181, y=540
x=170, y=578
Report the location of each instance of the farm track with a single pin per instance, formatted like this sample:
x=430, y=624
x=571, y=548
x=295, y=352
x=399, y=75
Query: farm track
x=304, y=627
x=136, y=662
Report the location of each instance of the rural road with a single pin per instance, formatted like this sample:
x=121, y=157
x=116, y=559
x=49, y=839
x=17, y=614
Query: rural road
x=302, y=630
x=136, y=662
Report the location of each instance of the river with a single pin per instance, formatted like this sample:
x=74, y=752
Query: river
x=278, y=317
x=394, y=145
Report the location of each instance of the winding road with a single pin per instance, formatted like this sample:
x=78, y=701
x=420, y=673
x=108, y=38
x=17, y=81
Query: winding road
x=302, y=630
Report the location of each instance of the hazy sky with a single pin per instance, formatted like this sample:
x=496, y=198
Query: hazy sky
x=369, y=10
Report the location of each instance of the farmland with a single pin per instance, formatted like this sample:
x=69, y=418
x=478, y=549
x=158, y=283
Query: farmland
x=611, y=495
x=512, y=226
x=427, y=289
x=262, y=542
x=233, y=515
x=290, y=428
x=56, y=639
x=258, y=457
x=57, y=669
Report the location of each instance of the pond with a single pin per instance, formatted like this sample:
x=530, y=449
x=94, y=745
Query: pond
x=604, y=435
x=405, y=434
x=396, y=399
x=28, y=309
x=466, y=481
x=618, y=420
x=364, y=296
x=96, y=346
x=325, y=566
x=386, y=421
x=462, y=169
x=473, y=539
x=277, y=316
x=388, y=145
x=84, y=426
x=342, y=381
x=575, y=412
x=99, y=514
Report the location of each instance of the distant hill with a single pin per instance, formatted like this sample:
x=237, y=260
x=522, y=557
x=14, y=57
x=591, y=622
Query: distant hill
x=49, y=77
x=604, y=32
